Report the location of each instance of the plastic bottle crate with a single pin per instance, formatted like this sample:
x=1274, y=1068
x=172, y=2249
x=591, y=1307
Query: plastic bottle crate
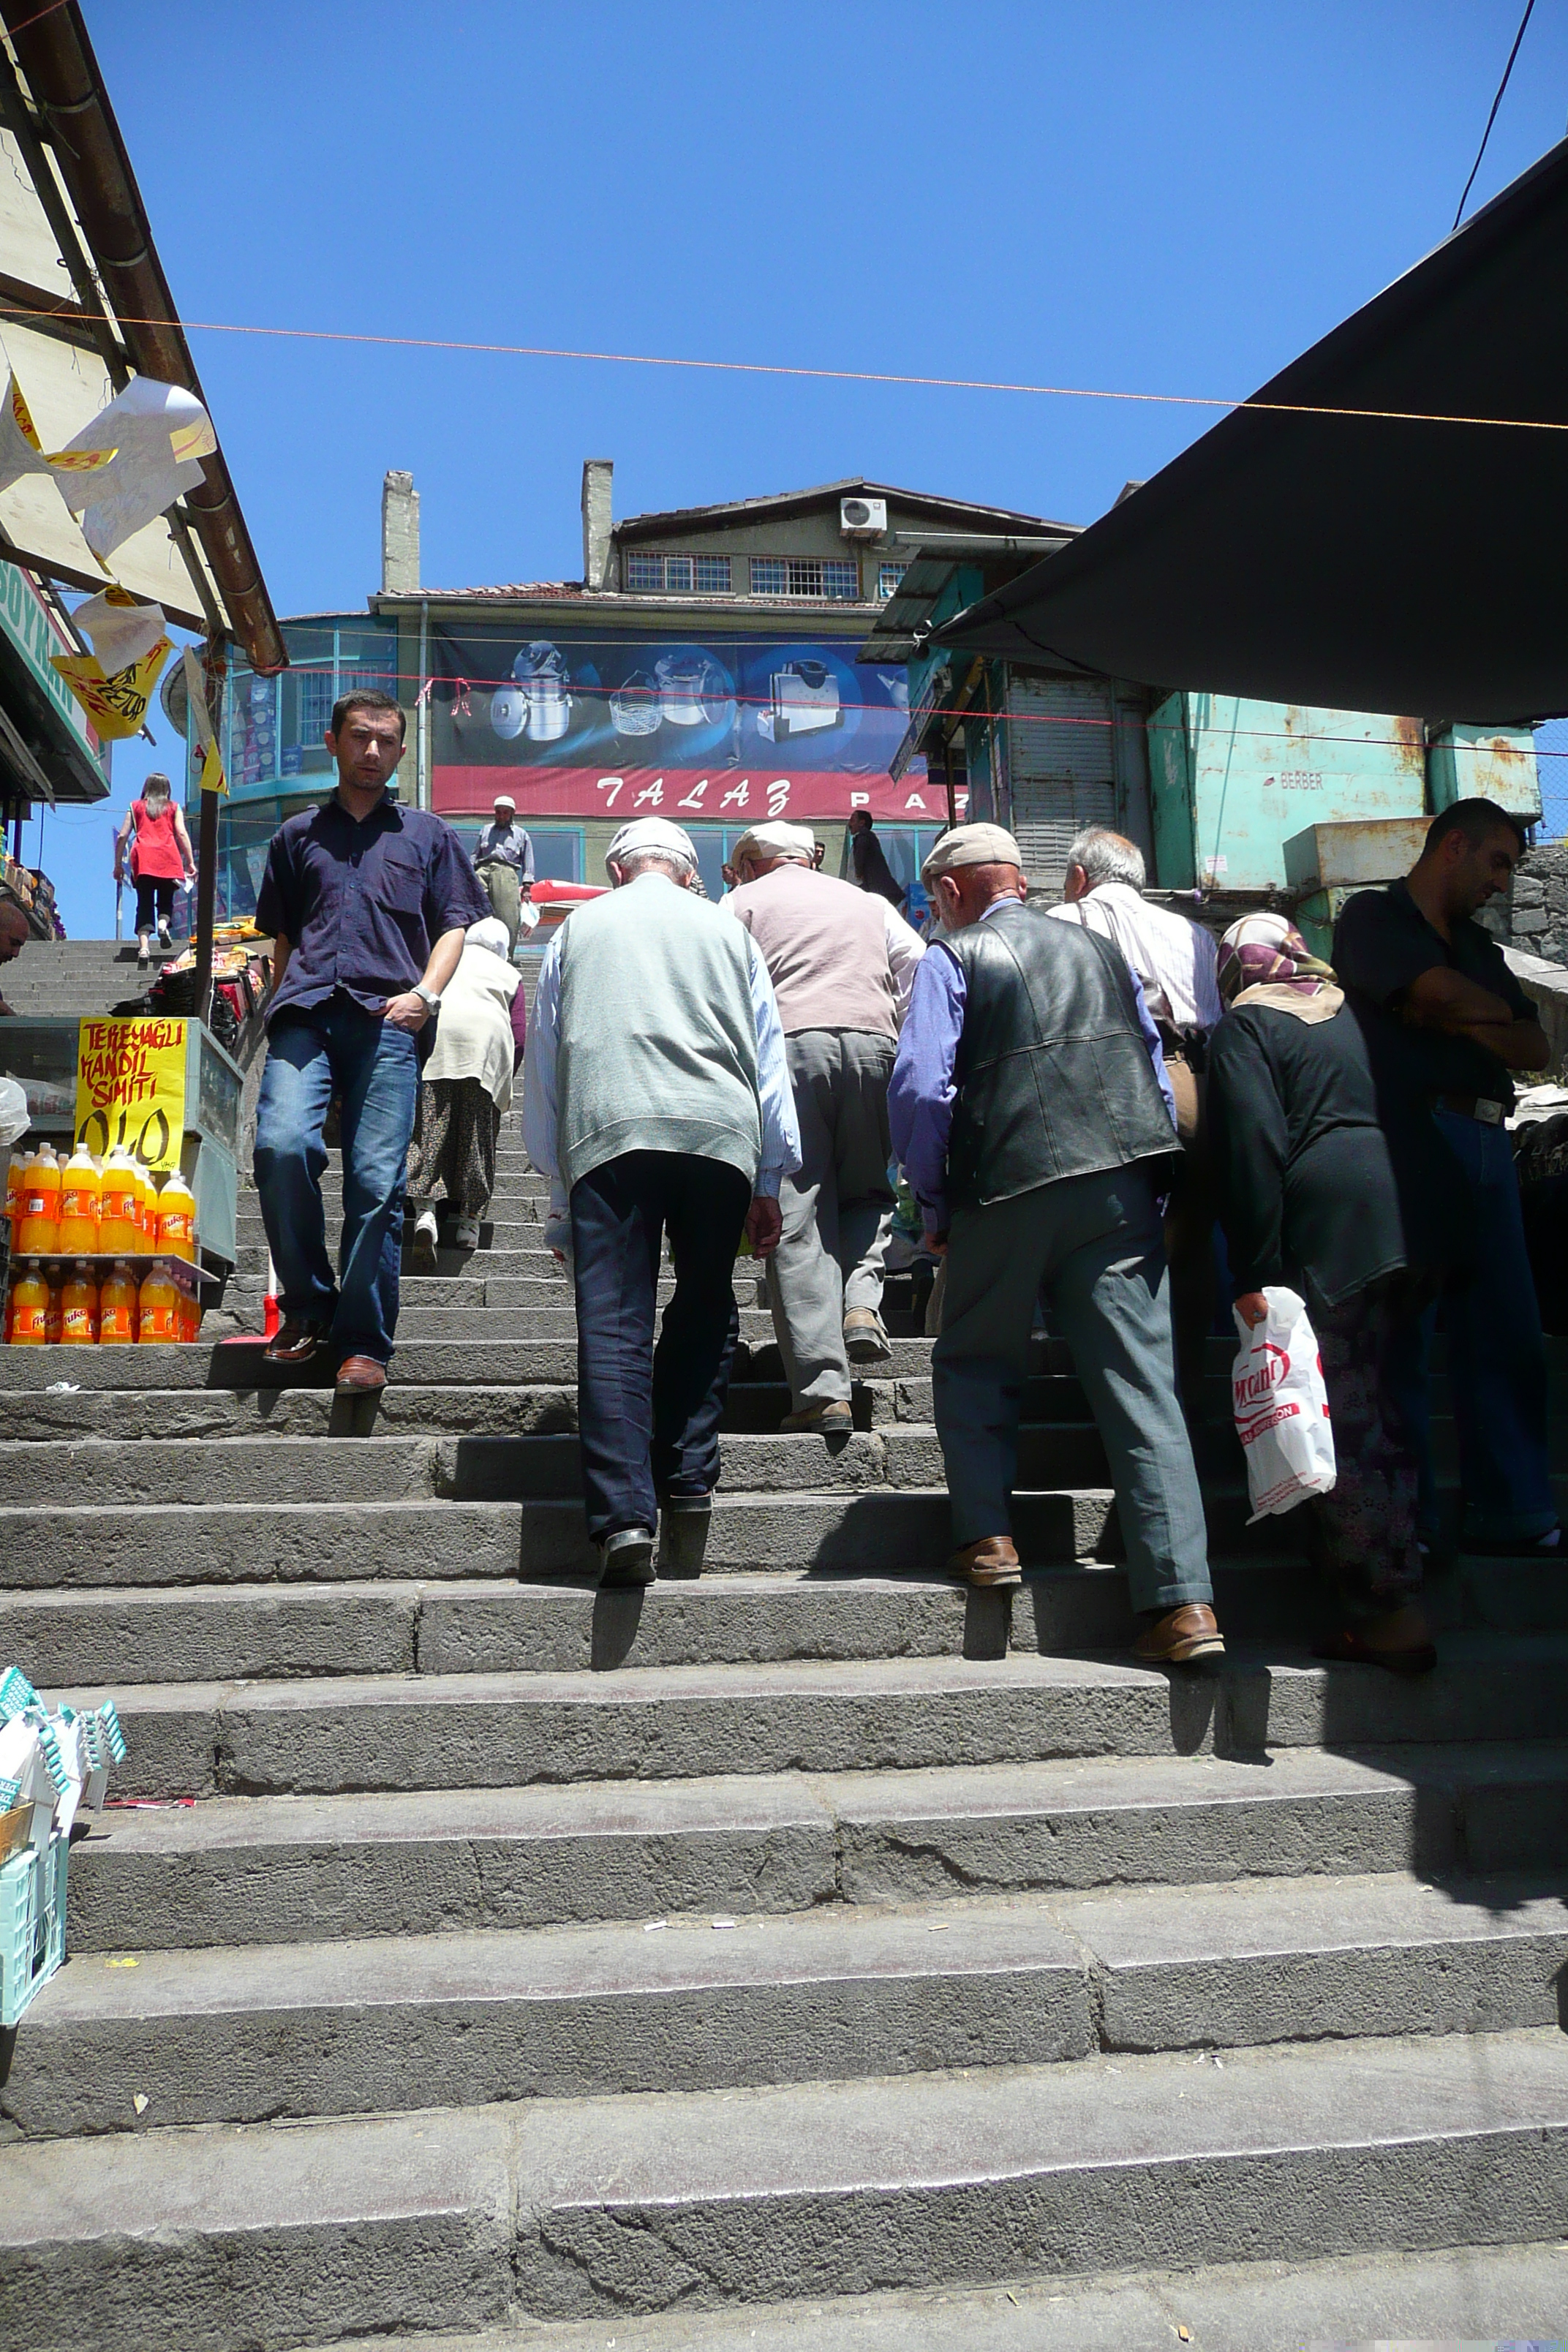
x=32, y=1924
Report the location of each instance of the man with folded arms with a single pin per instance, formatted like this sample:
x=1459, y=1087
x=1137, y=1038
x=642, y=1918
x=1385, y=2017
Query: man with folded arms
x=1447, y=1024
x=1028, y=1110
x=657, y=1099
x=842, y=962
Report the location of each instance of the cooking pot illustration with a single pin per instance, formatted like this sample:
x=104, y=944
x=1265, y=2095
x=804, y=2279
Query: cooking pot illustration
x=635, y=705
x=509, y=712
x=804, y=701
x=541, y=675
x=683, y=682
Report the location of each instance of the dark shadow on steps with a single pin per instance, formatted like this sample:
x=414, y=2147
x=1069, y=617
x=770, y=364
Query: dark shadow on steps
x=616, y=1617
x=987, y=1623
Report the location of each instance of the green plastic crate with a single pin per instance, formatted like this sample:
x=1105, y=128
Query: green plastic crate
x=32, y=1924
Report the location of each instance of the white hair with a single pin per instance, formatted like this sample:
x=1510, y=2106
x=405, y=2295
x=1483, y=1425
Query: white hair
x=667, y=861
x=1107, y=856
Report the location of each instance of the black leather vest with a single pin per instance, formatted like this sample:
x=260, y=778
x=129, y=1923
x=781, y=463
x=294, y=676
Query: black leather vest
x=1053, y=1073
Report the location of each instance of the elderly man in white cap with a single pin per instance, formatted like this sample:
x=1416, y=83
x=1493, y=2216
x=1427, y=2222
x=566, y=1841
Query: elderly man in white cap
x=1028, y=1110
x=504, y=863
x=842, y=963
x=657, y=1099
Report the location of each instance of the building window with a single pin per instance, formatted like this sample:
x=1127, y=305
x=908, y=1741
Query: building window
x=888, y=578
x=792, y=576
x=678, y=575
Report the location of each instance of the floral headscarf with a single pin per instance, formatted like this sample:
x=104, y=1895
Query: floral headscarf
x=1264, y=959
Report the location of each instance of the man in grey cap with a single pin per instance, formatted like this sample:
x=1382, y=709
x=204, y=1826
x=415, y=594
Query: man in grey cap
x=504, y=863
x=842, y=962
x=1028, y=1109
x=657, y=1099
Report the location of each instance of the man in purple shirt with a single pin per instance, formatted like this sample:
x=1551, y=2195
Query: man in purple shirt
x=1029, y=1107
x=368, y=903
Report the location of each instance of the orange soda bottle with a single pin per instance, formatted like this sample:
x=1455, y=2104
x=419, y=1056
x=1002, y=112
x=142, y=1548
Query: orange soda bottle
x=29, y=1308
x=13, y=1194
x=54, y=1317
x=38, y=1233
x=78, y=1307
x=117, y=1231
x=117, y=1304
x=81, y=1203
x=176, y=1206
x=157, y=1309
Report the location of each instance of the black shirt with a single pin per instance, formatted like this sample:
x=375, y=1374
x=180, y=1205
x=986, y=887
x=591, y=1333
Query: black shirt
x=363, y=901
x=1315, y=1189
x=1382, y=943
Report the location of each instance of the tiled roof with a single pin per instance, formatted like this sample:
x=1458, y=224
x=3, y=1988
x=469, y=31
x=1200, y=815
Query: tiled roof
x=508, y=590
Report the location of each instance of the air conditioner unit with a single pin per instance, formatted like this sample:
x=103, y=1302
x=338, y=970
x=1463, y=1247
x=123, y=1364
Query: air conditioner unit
x=862, y=517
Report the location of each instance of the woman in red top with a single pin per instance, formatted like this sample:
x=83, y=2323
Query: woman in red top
x=160, y=857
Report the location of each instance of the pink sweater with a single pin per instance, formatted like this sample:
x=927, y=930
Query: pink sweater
x=825, y=947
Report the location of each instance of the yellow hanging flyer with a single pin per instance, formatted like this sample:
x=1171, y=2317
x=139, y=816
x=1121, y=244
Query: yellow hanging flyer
x=131, y=1089
x=117, y=705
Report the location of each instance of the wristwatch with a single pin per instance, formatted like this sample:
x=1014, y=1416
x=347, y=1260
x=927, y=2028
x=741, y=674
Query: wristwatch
x=429, y=997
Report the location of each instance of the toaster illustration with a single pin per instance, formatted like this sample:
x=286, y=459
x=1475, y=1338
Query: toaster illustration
x=804, y=701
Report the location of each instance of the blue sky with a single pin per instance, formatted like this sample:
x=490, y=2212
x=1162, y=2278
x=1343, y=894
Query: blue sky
x=1129, y=195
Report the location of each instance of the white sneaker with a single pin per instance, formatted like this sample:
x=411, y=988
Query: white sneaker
x=165, y=937
x=424, y=1236
x=467, y=1233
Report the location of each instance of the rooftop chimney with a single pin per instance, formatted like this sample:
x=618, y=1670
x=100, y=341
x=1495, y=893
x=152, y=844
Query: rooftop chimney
x=399, y=536
x=597, y=473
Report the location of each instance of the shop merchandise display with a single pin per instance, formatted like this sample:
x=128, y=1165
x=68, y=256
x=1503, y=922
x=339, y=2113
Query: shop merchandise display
x=54, y=1767
x=95, y=1249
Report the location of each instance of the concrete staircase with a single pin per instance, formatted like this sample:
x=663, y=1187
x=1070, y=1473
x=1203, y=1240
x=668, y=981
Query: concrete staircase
x=813, y=1955
x=73, y=978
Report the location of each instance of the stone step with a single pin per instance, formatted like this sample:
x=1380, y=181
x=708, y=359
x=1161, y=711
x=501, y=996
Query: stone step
x=473, y=1468
x=402, y=1732
x=599, y=2210
x=231, y=1870
x=1511, y=2294
x=480, y=1625
x=701, y=2002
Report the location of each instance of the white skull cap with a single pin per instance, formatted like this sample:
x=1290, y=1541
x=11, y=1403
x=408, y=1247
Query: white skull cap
x=505, y=800
x=650, y=833
x=778, y=839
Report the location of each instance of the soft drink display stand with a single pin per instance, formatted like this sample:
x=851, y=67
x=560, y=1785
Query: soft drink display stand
x=43, y=1056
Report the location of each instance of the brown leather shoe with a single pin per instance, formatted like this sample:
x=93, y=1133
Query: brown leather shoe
x=1180, y=1636
x=360, y=1376
x=993, y=1561
x=296, y=1341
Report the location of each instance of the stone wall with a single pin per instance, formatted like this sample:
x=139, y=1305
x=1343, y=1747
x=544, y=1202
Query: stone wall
x=1535, y=915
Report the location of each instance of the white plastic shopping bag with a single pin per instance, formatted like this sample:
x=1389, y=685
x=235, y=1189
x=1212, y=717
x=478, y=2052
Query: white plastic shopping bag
x=1282, y=1407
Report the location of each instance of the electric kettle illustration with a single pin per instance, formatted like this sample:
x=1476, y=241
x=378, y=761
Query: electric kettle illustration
x=539, y=671
x=683, y=682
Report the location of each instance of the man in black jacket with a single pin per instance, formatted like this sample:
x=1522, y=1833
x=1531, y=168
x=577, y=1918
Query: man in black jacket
x=1028, y=1108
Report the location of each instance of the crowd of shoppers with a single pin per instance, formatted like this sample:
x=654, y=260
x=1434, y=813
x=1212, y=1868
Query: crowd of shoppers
x=1109, y=1118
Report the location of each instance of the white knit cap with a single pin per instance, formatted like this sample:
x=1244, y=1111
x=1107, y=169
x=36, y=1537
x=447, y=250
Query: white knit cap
x=489, y=932
x=650, y=833
x=505, y=800
x=776, y=839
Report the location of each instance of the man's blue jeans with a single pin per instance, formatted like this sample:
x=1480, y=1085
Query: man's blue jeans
x=337, y=1049
x=1496, y=1359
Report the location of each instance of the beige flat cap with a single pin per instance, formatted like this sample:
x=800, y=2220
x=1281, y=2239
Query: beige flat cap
x=776, y=839
x=971, y=844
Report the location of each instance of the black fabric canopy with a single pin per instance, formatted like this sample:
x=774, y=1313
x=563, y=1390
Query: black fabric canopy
x=1359, y=563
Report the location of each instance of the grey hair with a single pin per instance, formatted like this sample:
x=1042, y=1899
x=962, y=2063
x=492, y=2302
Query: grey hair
x=1107, y=856
x=672, y=861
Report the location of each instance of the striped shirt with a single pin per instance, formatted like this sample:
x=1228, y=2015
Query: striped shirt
x=1174, y=958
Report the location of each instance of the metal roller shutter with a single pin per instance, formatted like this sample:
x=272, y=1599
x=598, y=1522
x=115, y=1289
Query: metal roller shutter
x=1062, y=767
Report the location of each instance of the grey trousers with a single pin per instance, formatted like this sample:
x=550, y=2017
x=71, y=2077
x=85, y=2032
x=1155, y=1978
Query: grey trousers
x=1094, y=1243
x=505, y=895
x=837, y=1209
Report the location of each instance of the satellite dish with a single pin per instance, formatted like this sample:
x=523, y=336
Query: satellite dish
x=176, y=697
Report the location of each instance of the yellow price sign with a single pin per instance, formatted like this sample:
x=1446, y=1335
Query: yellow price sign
x=131, y=1089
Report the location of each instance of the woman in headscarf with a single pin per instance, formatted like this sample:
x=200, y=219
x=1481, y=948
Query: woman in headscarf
x=465, y=1086
x=1317, y=1194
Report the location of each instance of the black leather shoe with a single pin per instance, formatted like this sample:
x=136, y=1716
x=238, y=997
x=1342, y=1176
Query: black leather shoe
x=625, y=1558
